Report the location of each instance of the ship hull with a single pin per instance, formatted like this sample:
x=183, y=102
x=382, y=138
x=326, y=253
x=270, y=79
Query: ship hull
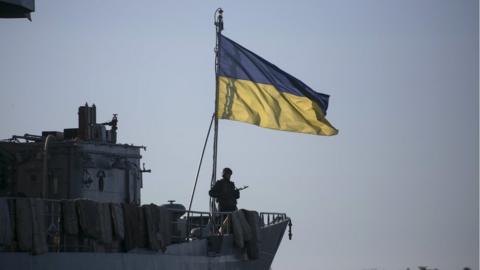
x=184, y=256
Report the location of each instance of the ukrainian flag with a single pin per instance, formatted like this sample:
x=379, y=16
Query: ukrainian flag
x=252, y=90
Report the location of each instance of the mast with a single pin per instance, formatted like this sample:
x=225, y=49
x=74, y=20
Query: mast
x=218, y=27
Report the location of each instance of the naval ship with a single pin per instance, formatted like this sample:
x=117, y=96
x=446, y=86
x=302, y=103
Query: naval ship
x=71, y=199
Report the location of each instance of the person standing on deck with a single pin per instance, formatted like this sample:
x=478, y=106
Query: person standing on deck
x=225, y=192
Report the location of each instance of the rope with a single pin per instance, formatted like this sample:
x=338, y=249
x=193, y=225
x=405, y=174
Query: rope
x=198, y=173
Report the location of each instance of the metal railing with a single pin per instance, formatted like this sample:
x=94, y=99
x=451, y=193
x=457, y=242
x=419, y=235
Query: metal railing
x=271, y=218
x=198, y=220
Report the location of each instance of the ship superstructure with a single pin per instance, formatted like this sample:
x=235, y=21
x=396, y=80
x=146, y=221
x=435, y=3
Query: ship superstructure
x=84, y=162
x=71, y=199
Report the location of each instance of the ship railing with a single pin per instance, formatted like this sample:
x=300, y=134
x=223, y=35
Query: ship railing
x=198, y=224
x=271, y=218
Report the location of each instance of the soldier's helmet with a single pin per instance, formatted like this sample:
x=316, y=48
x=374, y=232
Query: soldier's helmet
x=227, y=171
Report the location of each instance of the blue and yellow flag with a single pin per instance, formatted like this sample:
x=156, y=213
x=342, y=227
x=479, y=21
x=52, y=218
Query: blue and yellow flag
x=252, y=90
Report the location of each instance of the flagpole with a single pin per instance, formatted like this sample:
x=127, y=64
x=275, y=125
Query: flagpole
x=218, y=28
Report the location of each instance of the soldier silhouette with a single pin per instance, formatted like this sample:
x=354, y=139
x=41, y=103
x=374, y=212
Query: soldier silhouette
x=225, y=192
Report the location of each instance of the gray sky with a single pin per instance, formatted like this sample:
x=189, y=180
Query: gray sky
x=397, y=188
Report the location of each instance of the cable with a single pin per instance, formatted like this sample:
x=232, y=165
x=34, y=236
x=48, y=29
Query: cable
x=198, y=173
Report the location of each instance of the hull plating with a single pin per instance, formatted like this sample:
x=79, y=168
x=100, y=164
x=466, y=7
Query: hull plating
x=185, y=256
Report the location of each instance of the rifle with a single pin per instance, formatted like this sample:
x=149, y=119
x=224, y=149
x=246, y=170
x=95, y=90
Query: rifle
x=241, y=188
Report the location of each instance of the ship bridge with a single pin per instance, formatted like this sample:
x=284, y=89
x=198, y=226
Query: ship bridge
x=84, y=162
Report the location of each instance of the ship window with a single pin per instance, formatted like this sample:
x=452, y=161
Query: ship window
x=101, y=181
x=55, y=184
x=100, y=184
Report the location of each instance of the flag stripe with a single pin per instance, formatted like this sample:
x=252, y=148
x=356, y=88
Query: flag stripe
x=266, y=106
x=240, y=63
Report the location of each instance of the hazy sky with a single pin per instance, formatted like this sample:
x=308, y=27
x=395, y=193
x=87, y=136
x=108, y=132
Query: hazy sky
x=397, y=188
